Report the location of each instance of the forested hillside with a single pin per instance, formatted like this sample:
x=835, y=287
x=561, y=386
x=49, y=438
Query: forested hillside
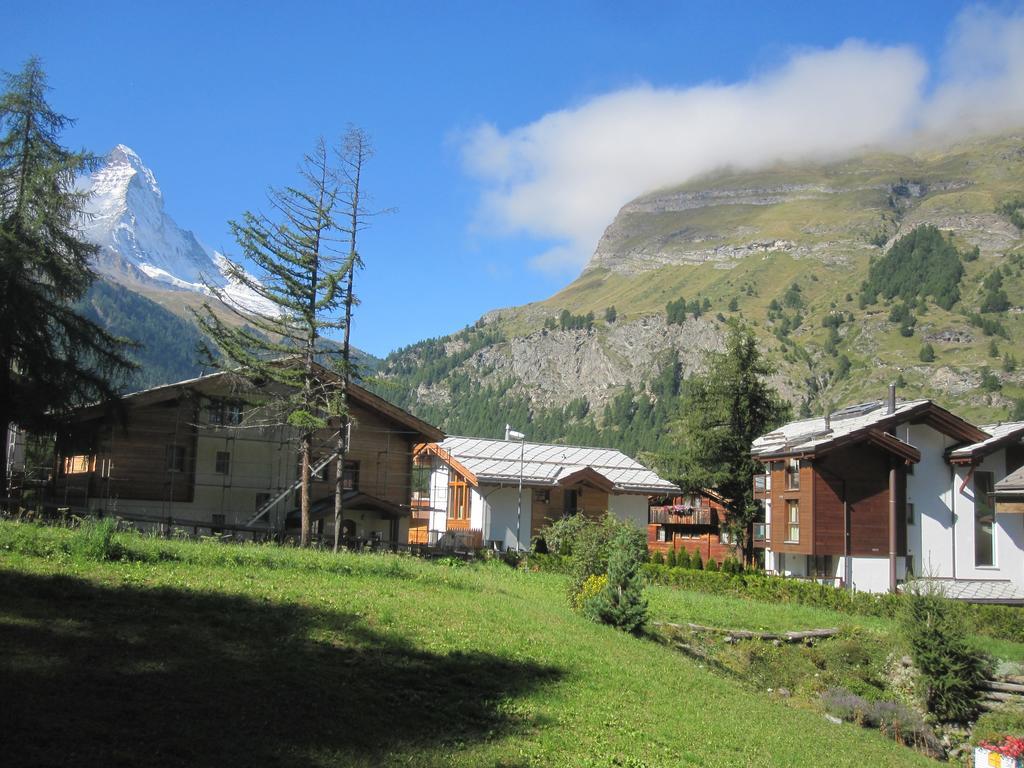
x=167, y=345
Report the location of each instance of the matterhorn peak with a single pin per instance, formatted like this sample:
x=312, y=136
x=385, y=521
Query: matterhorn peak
x=121, y=166
x=140, y=244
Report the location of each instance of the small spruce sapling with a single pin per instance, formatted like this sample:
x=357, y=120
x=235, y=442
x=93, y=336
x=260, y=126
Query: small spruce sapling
x=622, y=603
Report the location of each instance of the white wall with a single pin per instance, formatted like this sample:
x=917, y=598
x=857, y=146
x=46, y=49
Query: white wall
x=1008, y=540
x=871, y=574
x=498, y=511
x=629, y=508
x=930, y=537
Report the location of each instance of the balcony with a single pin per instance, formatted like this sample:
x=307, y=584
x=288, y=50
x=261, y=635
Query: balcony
x=761, y=486
x=684, y=515
x=761, y=534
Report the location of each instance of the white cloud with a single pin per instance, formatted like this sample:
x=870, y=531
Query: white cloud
x=564, y=176
x=982, y=88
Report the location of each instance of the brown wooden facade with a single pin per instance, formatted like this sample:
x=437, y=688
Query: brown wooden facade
x=147, y=458
x=842, y=503
x=693, y=523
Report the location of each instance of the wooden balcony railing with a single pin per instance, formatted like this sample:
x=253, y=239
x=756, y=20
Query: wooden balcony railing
x=673, y=515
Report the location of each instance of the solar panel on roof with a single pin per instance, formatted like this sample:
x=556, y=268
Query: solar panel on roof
x=856, y=410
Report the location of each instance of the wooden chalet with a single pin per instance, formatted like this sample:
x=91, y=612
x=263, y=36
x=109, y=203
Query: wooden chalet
x=693, y=523
x=863, y=497
x=212, y=454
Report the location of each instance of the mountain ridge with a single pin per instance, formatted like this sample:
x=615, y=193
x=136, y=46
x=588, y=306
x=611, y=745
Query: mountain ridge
x=738, y=243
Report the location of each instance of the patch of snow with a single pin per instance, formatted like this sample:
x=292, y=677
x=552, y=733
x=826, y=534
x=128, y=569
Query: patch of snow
x=125, y=216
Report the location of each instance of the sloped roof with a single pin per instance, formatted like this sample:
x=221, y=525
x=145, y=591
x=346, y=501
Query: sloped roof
x=1011, y=485
x=210, y=382
x=1000, y=435
x=847, y=425
x=544, y=464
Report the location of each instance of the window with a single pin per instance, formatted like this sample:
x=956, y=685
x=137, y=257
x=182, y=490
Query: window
x=215, y=413
x=541, y=495
x=910, y=513
x=661, y=533
x=793, y=520
x=724, y=536
x=221, y=412
x=458, y=498
x=233, y=414
x=792, y=474
x=176, y=458
x=222, y=464
x=217, y=524
x=984, y=518
x=76, y=465
x=350, y=476
x=261, y=499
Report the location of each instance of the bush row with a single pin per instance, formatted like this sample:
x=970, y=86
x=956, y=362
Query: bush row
x=999, y=621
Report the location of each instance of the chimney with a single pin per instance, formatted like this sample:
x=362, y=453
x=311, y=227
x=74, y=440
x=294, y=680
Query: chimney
x=892, y=399
x=828, y=421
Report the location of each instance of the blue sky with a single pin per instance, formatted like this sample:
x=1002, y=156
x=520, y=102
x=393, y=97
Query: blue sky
x=222, y=99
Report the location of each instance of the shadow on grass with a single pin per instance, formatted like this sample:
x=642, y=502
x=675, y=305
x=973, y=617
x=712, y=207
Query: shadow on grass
x=99, y=675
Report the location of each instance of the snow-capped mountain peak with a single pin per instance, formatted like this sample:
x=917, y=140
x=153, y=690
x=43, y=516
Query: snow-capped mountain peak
x=140, y=243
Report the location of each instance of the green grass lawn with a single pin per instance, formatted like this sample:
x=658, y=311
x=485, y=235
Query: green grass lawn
x=207, y=654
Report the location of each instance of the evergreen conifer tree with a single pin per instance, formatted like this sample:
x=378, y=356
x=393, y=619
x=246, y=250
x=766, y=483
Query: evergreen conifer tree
x=622, y=602
x=300, y=265
x=51, y=358
x=723, y=411
x=683, y=558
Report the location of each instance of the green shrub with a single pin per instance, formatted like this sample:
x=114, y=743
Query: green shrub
x=621, y=603
x=927, y=353
x=695, y=561
x=712, y=565
x=992, y=726
x=672, y=560
x=683, y=558
x=591, y=588
x=94, y=540
x=950, y=669
x=657, y=558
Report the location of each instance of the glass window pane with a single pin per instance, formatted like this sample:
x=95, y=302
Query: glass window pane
x=984, y=518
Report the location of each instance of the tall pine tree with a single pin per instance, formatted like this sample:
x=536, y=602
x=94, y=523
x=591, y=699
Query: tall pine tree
x=51, y=358
x=722, y=412
x=300, y=265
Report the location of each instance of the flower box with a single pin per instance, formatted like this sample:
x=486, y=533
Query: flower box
x=988, y=758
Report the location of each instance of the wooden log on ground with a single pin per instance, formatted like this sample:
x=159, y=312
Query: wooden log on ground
x=1000, y=685
x=732, y=635
x=1002, y=697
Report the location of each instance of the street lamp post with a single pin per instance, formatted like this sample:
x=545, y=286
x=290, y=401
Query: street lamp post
x=511, y=434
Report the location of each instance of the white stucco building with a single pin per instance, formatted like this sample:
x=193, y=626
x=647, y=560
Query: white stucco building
x=877, y=493
x=475, y=487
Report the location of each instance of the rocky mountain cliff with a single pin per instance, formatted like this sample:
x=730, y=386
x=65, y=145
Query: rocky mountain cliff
x=783, y=250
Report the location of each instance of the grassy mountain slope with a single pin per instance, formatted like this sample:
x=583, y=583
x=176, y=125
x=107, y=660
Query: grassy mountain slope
x=182, y=653
x=738, y=242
